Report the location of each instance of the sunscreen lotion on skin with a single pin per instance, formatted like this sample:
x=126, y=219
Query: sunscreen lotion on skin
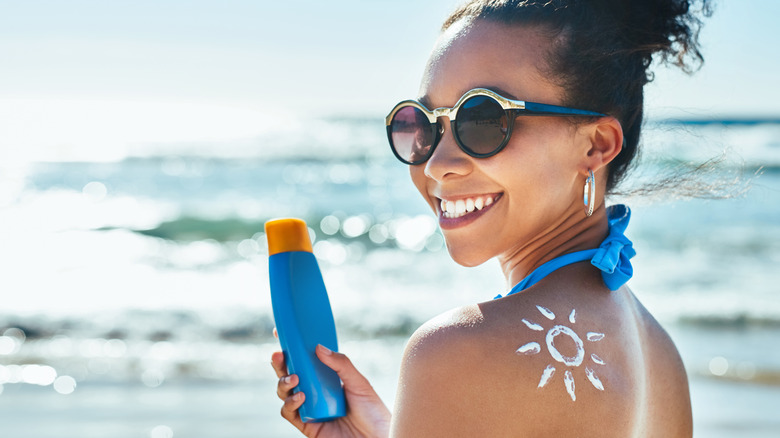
x=303, y=318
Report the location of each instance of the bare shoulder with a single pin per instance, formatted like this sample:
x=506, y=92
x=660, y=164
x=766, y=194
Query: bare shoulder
x=558, y=360
x=452, y=341
x=488, y=370
x=447, y=385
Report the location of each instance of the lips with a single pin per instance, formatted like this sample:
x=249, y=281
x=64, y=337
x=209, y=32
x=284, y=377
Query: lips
x=455, y=212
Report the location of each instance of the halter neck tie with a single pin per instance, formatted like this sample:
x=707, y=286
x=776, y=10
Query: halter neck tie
x=612, y=257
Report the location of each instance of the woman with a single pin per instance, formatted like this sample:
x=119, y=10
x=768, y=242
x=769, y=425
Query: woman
x=539, y=111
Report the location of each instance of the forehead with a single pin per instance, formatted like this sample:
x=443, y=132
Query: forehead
x=490, y=55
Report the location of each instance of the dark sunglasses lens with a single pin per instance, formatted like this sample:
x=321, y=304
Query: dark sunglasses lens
x=411, y=134
x=482, y=125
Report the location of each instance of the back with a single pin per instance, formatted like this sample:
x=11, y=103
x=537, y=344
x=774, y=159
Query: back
x=564, y=358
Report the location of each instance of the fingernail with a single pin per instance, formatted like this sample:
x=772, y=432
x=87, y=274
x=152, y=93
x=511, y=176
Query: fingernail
x=326, y=350
x=286, y=379
x=297, y=396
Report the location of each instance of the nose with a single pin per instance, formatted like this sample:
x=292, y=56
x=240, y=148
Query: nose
x=447, y=160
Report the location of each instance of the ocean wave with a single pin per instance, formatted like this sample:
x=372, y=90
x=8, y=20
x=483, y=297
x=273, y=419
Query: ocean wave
x=739, y=371
x=236, y=346
x=751, y=375
x=716, y=121
x=141, y=324
x=746, y=146
x=177, y=325
x=736, y=320
x=236, y=326
x=151, y=347
x=331, y=234
x=189, y=228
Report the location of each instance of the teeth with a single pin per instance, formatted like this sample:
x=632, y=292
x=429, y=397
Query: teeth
x=450, y=207
x=461, y=207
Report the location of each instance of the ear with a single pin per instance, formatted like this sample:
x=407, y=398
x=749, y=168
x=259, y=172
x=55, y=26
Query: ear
x=606, y=142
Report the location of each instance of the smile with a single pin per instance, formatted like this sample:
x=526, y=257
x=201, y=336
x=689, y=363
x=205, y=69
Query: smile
x=453, y=209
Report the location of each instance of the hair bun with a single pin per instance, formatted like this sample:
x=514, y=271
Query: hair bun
x=669, y=28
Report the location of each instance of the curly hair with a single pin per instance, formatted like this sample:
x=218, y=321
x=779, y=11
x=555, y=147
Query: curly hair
x=602, y=50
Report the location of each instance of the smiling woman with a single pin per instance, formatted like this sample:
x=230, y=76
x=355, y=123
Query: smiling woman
x=529, y=113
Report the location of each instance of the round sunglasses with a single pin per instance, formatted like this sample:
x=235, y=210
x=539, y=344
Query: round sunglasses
x=481, y=123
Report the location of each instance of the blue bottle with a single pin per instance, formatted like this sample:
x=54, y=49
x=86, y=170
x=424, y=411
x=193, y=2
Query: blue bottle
x=303, y=318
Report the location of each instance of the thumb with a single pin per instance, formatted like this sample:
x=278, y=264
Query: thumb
x=342, y=365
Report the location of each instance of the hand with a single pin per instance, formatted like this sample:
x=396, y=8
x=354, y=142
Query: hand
x=366, y=415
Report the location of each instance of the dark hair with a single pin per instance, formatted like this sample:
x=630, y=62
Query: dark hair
x=602, y=50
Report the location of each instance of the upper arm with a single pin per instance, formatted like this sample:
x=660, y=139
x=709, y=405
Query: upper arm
x=668, y=397
x=670, y=391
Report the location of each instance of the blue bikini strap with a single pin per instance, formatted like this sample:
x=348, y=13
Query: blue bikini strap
x=612, y=257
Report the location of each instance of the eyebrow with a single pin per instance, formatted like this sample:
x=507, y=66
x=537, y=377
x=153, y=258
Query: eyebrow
x=424, y=99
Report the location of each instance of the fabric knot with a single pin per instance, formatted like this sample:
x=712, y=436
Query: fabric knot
x=613, y=257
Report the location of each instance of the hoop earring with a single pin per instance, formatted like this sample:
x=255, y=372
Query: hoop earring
x=589, y=193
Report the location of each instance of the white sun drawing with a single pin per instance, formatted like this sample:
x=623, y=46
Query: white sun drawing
x=569, y=361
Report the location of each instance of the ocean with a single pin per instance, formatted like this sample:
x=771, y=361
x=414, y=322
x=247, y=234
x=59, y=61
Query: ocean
x=134, y=295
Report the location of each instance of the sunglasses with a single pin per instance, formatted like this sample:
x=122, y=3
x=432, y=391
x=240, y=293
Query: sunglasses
x=481, y=123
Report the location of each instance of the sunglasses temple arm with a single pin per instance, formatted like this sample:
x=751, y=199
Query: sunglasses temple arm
x=541, y=109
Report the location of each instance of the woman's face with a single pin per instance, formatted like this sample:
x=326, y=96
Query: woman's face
x=531, y=186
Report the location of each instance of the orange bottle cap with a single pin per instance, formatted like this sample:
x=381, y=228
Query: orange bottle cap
x=286, y=235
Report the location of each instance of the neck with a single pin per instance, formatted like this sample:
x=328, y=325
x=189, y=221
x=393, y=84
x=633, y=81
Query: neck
x=574, y=232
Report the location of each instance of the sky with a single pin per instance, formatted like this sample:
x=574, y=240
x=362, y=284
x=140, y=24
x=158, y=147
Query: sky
x=85, y=71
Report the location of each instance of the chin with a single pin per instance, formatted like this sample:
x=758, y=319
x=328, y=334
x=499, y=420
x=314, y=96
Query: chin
x=464, y=257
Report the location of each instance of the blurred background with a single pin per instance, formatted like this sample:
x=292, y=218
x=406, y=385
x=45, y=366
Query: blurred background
x=143, y=145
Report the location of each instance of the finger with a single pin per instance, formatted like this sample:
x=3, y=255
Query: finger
x=277, y=362
x=290, y=409
x=342, y=365
x=285, y=386
x=276, y=334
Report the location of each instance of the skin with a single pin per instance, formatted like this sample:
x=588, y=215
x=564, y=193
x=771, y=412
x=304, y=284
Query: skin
x=460, y=374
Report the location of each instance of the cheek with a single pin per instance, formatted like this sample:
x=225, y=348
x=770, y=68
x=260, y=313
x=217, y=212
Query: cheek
x=420, y=182
x=535, y=176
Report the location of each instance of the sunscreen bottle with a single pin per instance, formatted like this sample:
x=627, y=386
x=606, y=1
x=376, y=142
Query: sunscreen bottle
x=303, y=318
